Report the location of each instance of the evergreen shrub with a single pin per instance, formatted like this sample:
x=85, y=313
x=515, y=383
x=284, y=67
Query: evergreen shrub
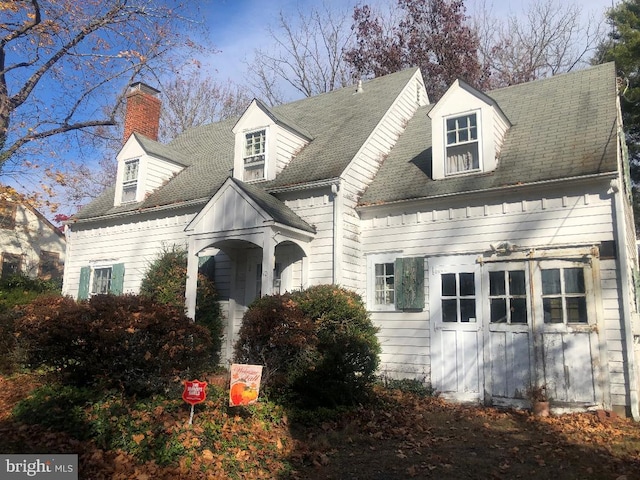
x=277, y=335
x=319, y=343
x=165, y=282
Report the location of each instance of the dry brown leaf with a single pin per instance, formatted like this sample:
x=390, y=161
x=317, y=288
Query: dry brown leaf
x=207, y=456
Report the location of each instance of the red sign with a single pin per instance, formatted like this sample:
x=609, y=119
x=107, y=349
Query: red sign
x=194, y=391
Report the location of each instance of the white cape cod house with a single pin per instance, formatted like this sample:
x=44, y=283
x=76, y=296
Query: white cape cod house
x=490, y=234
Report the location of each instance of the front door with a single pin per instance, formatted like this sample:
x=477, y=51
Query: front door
x=456, y=347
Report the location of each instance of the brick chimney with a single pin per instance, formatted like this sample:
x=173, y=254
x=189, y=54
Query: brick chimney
x=143, y=111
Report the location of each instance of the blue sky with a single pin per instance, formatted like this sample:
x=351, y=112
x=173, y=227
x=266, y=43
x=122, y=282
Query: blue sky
x=238, y=27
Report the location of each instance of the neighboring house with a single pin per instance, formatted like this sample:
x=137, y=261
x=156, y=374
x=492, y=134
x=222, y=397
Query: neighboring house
x=490, y=234
x=29, y=243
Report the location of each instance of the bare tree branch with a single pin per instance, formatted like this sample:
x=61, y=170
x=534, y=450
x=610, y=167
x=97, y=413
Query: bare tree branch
x=547, y=38
x=308, y=54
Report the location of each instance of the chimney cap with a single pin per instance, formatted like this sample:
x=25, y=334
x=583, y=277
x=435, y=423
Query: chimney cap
x=142, y=87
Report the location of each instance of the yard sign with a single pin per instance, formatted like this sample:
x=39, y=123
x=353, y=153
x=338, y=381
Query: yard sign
x=194, y=392
x=245, y=384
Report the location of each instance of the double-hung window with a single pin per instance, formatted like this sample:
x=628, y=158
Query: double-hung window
x=101, y=283
x=462, y=145
x=100, y=280
x=130, y=181
x=254, y=155
x=395, y=282
x=384, y=294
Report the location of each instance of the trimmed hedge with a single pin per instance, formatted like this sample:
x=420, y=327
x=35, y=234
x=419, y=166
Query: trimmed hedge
x=318, y=346
x=127, y=342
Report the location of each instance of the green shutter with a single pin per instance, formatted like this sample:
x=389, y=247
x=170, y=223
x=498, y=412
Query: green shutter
x=117, y=279
x=409, y=283
x=83, y=286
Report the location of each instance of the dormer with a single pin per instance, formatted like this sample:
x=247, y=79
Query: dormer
x=467, y=131
x=143, y=166
x=265, y=142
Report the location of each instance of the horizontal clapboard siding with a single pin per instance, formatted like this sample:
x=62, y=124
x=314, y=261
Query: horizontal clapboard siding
x=134, y=244
x=436, y=229
x=360, y=174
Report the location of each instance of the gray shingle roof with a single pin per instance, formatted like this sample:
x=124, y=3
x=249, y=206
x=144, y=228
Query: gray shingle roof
x=563, y=126
x=274, y=207
x=338, y=122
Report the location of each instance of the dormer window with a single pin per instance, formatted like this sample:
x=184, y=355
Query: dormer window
x=254, y=155
x=130, y=181
x=462, y=144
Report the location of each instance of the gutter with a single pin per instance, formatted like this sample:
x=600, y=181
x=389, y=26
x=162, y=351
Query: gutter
x=329, y=182
x=138, y=211
x=503, y=188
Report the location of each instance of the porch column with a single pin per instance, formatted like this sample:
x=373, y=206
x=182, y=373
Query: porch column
x=268, y=261
x=192, y=280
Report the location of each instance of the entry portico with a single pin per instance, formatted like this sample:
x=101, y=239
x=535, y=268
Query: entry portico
x=242, y=220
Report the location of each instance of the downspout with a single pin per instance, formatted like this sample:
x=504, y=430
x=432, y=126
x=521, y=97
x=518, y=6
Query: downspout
x=625, y=268
x=338, y=229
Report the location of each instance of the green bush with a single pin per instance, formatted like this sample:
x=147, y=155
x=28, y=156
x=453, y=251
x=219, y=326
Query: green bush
x=276, y=334
x=20, y=289
x=347, y=345
x=165, y=282
x=320, y=345
x=126, y=342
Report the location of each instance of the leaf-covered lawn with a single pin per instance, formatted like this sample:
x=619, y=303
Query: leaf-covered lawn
x=402, y=436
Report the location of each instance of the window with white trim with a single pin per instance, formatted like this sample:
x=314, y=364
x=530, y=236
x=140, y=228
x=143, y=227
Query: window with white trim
x=130, y=181
x=101, y=282
x=101, y=279
x=458, y=297
x=395, y=283
x=462, y=144
x=254, y=155
x=384, y=284
x=564, y=298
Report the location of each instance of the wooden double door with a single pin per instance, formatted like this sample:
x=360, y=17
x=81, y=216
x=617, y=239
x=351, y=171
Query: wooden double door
x=501, y=327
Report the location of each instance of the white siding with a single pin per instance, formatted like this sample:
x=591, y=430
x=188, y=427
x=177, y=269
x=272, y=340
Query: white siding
x=29, y=238
x=134, y=244
x=316, y=208
x=287, y=146
x=157, y=172
x=439, y=229
x=359, y=175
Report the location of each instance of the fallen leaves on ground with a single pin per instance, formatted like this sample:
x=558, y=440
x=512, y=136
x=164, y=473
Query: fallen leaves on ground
x=401, y=436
